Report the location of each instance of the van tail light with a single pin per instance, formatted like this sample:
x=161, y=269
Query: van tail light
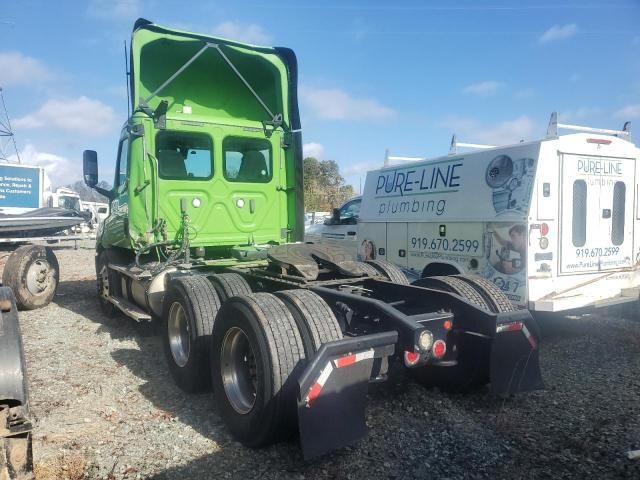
x=544, y=229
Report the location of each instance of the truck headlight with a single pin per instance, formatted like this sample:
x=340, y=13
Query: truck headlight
x=425, y=340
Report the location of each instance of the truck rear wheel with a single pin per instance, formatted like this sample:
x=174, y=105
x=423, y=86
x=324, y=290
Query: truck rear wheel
x=370, y=270
x=256, y=348
x=457, y=286
x=230, y=285
x=390, y=271
x=471, y=372
x=315, y=320
x=32, y=272
x=190, y=307
x=495, y=298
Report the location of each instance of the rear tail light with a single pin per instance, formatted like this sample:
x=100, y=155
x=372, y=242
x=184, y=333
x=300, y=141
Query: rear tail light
x=448, y=325
x=599, y=141
x=411, y=358
x=544, y=229
x=439, y=348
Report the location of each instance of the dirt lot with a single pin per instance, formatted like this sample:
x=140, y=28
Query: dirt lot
x=105, y=407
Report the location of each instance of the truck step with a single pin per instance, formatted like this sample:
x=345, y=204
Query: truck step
x=129, y=309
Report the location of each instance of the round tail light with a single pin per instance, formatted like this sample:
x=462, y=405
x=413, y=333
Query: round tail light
x=411, y=358
x=439, y=348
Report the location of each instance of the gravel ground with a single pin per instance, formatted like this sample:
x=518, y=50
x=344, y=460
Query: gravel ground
x=105, y=407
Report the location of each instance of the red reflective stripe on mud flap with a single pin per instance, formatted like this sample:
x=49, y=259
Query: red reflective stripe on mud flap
x=532, y=341
x=314, y=391
x=517, y=327
x=352, y=358
x=345, y=361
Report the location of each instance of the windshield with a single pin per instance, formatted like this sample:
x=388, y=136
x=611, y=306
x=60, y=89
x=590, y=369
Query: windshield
x=70, y=203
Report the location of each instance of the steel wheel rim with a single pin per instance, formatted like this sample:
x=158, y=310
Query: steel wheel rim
x=239, y=372
x=38, y=278
x=179, y=334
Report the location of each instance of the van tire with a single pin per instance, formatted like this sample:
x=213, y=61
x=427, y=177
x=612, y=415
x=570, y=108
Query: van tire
x=195, y=300
x=457, y=286
x=390, y=271
x=230, y=285
x=316, y=321
x=33, y=273
x=262, y=322
x=492, y=294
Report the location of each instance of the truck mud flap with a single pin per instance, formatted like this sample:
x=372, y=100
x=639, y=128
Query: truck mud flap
x=515, y=366
x=13, y=385
x=333, y=390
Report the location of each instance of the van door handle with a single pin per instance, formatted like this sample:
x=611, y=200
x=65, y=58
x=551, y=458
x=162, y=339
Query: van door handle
x=351, y=233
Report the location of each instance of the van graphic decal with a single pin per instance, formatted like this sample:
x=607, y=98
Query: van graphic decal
x=511, y=182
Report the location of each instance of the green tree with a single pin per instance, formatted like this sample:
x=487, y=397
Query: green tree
x=324, y=187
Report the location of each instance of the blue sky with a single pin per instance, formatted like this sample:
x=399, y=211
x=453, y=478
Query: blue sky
x=401, y=75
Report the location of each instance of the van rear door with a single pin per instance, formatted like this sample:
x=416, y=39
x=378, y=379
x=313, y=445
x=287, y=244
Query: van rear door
x=596, y=213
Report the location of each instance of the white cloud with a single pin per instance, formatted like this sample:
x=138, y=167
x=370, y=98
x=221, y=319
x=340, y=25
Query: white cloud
x=580, y=113
x=507, y=132
x=242, y=32
x=313, y=149
x=18, y=69
x=558, y=32
x=336, y=104
x=114, y=9
x=628, y=112
x=80, y=115
x=483, y=89
x=59, y=170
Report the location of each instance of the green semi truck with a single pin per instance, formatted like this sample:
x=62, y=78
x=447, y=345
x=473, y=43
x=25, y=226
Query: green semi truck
x=204, y=236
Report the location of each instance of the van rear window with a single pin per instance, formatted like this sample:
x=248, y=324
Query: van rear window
x=579, y=221
x=617, y=215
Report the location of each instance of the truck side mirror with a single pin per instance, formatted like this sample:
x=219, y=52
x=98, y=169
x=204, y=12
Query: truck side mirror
x=90, y=167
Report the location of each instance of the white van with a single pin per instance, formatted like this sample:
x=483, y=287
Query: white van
x=553, y=223
x=339, y=229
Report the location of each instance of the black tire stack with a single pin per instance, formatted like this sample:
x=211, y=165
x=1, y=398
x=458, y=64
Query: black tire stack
x=468, y=374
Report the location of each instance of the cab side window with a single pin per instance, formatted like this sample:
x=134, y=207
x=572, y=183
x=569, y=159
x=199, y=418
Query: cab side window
x=123, y=157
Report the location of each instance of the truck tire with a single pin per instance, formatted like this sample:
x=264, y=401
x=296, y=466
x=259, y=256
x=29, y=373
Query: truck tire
x=457, y=286
x=190, y=307
x=390, y=271
x=315, y=320
x=256, y=353
x=32, y=272
x=370, y=270
x=495, y=298
x=470, y=373
x=230, y=285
